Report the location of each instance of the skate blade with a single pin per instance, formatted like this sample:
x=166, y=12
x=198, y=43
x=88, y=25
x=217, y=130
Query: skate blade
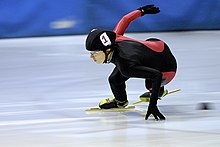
x=112, y=109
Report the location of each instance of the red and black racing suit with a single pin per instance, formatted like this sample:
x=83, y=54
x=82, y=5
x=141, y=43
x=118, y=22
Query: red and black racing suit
x=150, y=59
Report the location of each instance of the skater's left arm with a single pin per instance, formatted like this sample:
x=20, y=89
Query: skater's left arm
x=156, y=78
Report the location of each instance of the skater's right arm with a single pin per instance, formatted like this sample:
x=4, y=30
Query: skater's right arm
x=127, y=19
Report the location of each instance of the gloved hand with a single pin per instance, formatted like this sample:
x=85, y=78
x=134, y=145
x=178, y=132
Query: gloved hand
x=155, y=112
x=149, y=9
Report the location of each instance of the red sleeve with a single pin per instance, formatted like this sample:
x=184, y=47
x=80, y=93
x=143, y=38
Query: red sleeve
x=125, y=21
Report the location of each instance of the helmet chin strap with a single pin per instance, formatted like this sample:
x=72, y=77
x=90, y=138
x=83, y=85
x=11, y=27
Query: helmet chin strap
x=106, y=57
x=107, y=53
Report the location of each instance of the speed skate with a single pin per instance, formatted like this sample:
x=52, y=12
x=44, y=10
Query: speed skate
x=147, y=99
x=127, y=108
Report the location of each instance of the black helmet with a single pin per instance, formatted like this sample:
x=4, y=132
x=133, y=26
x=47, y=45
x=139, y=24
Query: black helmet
x=99, y=39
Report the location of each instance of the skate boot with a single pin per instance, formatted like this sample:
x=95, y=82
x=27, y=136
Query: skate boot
x=146, y=96
x=112, y=103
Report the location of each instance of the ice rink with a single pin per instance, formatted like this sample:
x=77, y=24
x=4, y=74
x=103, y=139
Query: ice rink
x=47, y=83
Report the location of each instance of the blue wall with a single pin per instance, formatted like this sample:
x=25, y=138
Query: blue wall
x=27, y=18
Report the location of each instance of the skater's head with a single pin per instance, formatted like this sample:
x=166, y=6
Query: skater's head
x=99, y=42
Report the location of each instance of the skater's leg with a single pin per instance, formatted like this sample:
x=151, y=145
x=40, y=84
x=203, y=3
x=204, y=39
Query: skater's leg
x=148, y=85
x=117, y=84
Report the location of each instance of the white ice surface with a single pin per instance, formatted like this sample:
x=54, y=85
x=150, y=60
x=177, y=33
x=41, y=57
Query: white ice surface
x=47, y=83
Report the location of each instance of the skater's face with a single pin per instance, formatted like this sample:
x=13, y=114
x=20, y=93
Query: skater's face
x=98, y=56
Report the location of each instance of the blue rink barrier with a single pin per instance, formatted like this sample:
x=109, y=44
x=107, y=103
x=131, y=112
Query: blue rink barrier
x=26, y=18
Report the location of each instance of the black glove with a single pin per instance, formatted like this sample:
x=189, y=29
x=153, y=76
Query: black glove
x=149, y=9
x=155, y=112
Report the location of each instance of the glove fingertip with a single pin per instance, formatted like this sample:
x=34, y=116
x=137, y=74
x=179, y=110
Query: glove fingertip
x=155, y=116
x=163, y=118
x=147, y=116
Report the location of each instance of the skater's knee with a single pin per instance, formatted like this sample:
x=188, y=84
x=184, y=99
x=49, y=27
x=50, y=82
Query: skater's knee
x=113, y=79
